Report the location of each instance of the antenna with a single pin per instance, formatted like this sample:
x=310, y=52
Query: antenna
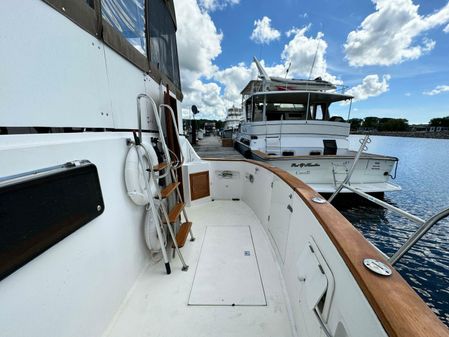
x=286, y=72
x=314, y=59
x=288, y=68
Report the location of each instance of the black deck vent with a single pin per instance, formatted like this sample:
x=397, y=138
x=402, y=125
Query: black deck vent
x=330, y=147
x=39, y=210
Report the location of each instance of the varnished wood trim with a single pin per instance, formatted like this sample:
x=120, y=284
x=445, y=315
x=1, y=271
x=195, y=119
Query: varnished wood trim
x=167, y=191
x=183, y=232
x=400, y=310
x=199, y=185
x=175, y=212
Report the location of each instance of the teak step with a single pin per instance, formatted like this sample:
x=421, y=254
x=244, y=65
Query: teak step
x=165, y=193
x=175, y=211
x=160, y=167
x=184, y=230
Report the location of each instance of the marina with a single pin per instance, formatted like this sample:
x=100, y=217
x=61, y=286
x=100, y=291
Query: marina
x=118, y=219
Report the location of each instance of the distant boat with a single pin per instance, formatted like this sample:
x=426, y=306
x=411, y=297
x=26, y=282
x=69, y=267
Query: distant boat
x=232, y=122
x=289, y=125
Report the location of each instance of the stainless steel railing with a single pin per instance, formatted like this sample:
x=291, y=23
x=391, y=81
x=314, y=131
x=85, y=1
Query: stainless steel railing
x=426, y=225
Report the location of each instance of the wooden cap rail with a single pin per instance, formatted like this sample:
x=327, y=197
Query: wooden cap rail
x=400, y=310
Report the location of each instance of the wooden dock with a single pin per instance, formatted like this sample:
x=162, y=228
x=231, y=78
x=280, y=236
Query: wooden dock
x=210, y=147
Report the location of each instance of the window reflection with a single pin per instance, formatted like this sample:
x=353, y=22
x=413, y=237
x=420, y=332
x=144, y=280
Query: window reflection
x=162, y=31
x=128, y=17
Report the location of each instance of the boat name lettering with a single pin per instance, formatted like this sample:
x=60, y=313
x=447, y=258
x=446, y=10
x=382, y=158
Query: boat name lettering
x=305, y=165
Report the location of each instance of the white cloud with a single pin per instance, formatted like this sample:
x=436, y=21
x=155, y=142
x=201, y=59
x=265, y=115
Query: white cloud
x=407, y=94
x=234, y=79
x=214, y=90
x=438, y=90
x=371, y=86
x=390, y=34
x=301, y=50
x=446, y=29
x=199, y=43
x=263, y=33
x=213, y=5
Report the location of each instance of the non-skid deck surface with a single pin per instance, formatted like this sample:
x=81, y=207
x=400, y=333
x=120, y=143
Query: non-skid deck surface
x=158, y=304
x=227, y=272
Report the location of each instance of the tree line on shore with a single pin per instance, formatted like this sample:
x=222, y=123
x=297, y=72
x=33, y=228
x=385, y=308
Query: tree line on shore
x=391, y=124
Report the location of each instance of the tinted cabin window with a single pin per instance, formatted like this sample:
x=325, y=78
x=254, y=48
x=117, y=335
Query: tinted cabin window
x=128, y=18
x=162, y=32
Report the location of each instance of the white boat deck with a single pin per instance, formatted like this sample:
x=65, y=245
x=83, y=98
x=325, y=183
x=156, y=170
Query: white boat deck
x=231, y=255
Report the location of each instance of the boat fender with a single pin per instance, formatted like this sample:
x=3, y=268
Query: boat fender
x=135, y=175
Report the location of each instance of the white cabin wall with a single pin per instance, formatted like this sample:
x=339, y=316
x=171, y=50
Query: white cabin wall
x=78, y=284
x=54, y=71
x=59, y=75
x=125, y=83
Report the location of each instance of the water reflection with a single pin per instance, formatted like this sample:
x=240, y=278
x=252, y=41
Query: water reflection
x=423, y=174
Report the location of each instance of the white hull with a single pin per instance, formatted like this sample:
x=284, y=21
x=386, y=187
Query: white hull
x=326, y=173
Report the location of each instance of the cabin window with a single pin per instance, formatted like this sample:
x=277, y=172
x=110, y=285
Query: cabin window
x=128, y=18
x=162, y=35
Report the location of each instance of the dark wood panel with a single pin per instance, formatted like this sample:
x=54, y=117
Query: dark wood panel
x=199, y=185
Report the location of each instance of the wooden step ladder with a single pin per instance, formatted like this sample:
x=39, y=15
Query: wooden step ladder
x=168, y=169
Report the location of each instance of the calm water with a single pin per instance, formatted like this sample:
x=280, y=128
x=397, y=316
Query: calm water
x=423, y=173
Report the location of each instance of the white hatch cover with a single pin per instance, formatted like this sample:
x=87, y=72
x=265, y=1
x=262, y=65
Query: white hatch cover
x=227, y=271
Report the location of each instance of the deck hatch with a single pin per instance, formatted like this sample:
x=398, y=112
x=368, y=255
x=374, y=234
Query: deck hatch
x=227, y=273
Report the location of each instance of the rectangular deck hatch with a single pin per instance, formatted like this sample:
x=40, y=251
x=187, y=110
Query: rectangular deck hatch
x=227, y=272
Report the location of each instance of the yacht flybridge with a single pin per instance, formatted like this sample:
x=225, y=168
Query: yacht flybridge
x=289, y=124
x=99, y=238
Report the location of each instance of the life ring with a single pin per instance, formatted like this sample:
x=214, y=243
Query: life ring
x=139, y=158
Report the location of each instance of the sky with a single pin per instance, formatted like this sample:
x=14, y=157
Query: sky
x=392, y=55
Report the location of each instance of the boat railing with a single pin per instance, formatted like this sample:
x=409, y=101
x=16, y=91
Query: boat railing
x=426, y=225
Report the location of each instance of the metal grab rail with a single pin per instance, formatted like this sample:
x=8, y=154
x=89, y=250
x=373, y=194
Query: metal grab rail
x=418, y=235
x=159, y=127
x=425, y=224
x=365, y=141
x=175, y=125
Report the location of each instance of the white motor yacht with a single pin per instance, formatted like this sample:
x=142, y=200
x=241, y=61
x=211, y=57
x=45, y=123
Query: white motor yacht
x=232, y=122
x=99, y=238
x=290, y=126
